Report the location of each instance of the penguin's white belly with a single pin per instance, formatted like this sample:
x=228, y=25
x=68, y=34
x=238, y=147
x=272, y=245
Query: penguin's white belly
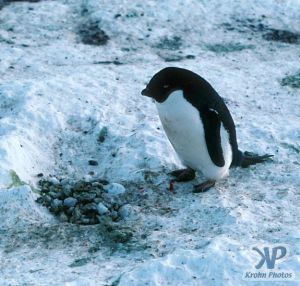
x=184, y=128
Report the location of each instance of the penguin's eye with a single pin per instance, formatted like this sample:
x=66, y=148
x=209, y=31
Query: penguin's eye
x=166, y=86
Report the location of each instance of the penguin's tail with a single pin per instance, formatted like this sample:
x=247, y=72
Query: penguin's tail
x=249, y=158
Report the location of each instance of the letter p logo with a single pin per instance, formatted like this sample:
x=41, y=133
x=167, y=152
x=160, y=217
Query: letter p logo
x=270, y=260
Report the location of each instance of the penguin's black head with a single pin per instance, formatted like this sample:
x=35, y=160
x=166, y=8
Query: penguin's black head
x=168, y=80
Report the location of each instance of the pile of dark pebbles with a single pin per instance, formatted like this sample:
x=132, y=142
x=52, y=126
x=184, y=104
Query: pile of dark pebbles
x=82, y=202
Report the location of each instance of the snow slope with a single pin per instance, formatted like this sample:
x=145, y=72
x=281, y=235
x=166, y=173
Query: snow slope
x=57, y=93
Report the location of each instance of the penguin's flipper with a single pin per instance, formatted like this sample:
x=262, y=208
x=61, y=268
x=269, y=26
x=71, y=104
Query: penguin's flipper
x=212, y=129
x=250, y=158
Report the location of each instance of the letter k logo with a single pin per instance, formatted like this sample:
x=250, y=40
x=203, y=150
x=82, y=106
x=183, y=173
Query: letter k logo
x=270, y=260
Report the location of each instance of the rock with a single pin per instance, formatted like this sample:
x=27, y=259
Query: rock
x=97, y=185
x=40, y=200
x=56, y=194
x=93, y=220
x=81, y=186
x=76, y=215
x=125, y=211
x=109, y=199
x=93, y=163
x=39, y=175
x=88, y=179
x=47, y=199
x=98, y=200
x=102, y=209
x=54, y=181
x=65, y=181
x=97, y=192
x=69, y=211
x=44, y=200
x=84, y=220
x=103, y=182
x=103, y=134
x=63, y=217
x=45, y=188
x=44, y=184
x=114, y=215
x=85, y=197
x=67, y=191
x=115, y=189
x=190, y=57
x=56, y=206
x=70, y=202
x=53, y=195
x=115, y=206
x=90, y=208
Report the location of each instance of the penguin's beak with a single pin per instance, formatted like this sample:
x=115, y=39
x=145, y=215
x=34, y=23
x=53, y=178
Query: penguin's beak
x=145, y=92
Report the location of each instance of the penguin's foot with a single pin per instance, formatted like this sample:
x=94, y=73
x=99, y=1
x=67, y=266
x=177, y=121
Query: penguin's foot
x=252, y=159
x=184, y=175
x=203, y=187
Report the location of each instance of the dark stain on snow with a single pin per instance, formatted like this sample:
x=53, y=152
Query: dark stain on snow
x=7, y=2
x=268, y=33
x=102, y=134
x=91, y=34
x=282, y=36
x=228, y=47
x=173, y=57
x=114, y=62
x=170, y=43
x=80, y=262
x=292, y=80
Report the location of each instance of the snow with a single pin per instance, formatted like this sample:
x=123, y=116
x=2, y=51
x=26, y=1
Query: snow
x=57, y=94
x=190, y=267
x=18, y=208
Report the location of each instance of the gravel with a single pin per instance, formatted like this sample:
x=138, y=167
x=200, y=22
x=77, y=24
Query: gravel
x=84, y=201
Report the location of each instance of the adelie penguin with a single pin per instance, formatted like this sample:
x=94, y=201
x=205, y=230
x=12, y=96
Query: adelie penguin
x=198, y=125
